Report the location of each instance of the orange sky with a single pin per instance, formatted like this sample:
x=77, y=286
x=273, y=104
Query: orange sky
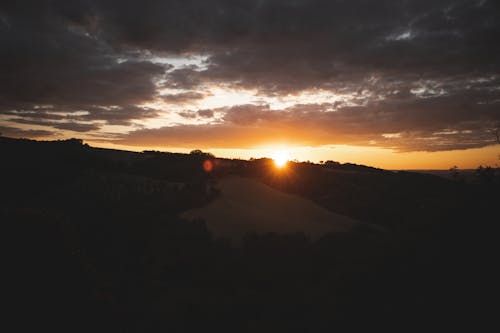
x=377, y=157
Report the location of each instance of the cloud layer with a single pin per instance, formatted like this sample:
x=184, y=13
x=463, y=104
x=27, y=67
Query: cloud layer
x=410, y=75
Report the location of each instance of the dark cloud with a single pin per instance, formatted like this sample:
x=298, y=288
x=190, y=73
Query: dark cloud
x=183, y=98
x=188, y=115
x=21, y=133
x=70, y=126
x=79, y=115
x=289, y=45
x=50, y=58
x=206, y=113
x=427, y=70
x=117, y=115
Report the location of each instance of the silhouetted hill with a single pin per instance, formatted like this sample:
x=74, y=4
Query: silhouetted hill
x=95, y=242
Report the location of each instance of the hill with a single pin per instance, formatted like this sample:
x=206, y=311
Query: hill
x=248, y=206
x=97, y=238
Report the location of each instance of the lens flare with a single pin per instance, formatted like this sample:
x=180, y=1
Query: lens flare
x=208, y=166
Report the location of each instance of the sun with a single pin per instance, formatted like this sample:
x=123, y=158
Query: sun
x=280, y=158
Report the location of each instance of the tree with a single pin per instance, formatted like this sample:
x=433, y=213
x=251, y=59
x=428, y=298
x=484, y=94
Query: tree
x=198, y=152
x=455, y=175
x=486, y=175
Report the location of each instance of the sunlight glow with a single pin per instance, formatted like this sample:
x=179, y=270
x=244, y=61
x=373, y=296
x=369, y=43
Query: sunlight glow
x=280, y=158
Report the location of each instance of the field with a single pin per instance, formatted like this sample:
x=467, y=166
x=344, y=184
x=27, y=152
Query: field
x=249, y=206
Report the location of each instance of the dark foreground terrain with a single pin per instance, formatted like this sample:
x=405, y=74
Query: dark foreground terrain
x=94, y=242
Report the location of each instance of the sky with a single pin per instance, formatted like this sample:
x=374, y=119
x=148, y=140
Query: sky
x=408, y=84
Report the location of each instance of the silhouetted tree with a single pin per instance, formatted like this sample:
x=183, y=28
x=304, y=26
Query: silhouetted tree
x=198, y=152
x=486, y=174
x=455, y=175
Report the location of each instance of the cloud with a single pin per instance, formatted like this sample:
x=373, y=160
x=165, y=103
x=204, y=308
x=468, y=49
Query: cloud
x=290, y=45
x=21, y=133
x=206, y=113
x=183, y=98
x=50, y=60
x=71, y=126
x=426, y=70
x=406, y=124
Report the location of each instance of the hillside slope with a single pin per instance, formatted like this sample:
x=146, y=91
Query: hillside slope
x=249, y=206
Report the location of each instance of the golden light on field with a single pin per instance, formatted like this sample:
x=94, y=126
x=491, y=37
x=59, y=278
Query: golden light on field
x=280, y=158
